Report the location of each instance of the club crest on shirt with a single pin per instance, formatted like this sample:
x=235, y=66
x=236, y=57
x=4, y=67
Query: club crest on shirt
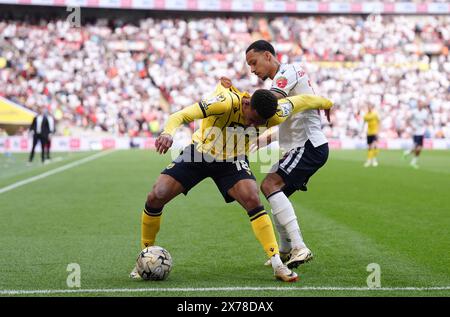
x=281, y=82
x=205, y=103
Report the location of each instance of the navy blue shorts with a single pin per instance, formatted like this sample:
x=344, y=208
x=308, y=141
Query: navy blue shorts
x=418, y=140
x=192, y=166
x=299, y=164
x=371, y=139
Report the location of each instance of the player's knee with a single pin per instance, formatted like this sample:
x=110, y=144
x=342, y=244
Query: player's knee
x=252, y=201
x=267, y=187
x=159, y=194
x=264, y=187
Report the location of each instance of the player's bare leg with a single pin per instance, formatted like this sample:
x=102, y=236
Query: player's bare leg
x=286, y=223
x=407, y=153
x=246, y=193
x=165, y=189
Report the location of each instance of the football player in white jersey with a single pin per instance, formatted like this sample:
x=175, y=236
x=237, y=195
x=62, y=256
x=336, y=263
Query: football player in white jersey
x=418, y=120
x=302, y=142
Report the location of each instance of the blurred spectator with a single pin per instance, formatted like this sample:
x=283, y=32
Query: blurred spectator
x=41, y=128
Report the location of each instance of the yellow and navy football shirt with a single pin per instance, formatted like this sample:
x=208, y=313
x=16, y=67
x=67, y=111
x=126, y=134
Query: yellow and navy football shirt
x=373, y=122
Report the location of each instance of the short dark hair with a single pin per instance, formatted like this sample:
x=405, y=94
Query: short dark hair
x=261, y=46
x=264, y=102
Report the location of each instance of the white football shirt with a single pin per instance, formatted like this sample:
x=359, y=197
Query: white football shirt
x=419, y=121
x=291, y=80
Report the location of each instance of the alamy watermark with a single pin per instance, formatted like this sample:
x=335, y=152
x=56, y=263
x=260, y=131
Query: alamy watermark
x=74, y=278
x=74, y=18
x=374, y=278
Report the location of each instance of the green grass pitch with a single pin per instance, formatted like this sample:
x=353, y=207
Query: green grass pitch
x=351, y=216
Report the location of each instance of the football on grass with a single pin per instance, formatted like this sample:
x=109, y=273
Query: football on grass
x=154, y=263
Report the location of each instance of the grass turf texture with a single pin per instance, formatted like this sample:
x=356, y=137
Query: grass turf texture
x=351, y=216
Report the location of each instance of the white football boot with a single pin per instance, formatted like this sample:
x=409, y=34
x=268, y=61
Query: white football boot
x=134, y=274
x=283, y=273
x=374, y=162
x=299, y=256
x=284, y=256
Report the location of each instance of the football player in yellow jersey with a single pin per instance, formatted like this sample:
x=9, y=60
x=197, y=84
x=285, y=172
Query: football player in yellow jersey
x=373, y=122
x=219, y=150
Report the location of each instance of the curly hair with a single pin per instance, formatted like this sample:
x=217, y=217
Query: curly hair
x=261, y=46
x=264, y=102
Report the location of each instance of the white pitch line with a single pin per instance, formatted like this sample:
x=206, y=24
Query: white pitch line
x=52, y=172
x=216, y=289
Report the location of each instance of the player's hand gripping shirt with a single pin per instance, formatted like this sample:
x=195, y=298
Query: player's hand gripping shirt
x=222, y=132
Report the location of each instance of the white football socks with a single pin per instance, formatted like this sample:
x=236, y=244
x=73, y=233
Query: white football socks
x=276, y=261
x=284, y=216
x=285, y=242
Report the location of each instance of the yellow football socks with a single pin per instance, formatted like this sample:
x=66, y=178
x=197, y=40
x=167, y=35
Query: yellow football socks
x=149, y=228
x=263, y=230
x=372, y=153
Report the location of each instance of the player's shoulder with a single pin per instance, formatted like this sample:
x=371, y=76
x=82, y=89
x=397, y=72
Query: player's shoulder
x=293, y=70
x=287, y=77
x=219, y=98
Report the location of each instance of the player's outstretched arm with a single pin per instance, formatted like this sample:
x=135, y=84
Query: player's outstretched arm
x=188, y=114
x=291, y=105
x=216, y=105
x=308, y=102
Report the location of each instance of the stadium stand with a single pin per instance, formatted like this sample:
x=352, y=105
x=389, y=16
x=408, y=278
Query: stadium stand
x=124, y=78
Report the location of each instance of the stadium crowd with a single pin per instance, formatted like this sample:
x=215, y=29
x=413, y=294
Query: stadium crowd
x=125, y=78
x=359, y=1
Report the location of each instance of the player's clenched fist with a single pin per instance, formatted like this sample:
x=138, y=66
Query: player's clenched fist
x=163, y=143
